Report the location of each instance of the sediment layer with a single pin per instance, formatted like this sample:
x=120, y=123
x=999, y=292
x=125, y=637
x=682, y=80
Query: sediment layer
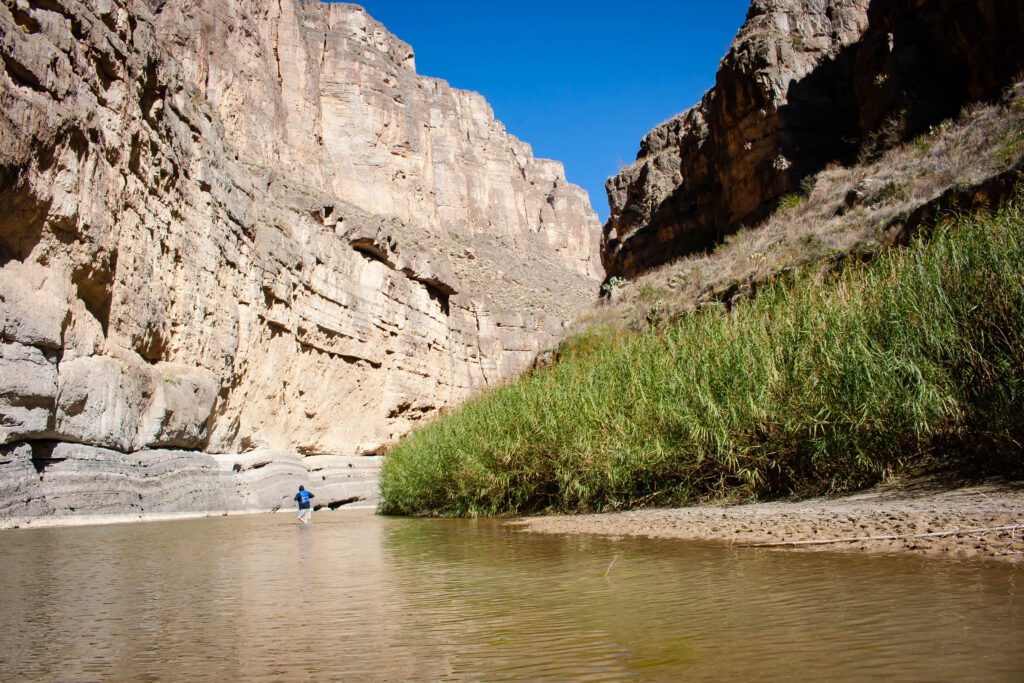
x=60, y=482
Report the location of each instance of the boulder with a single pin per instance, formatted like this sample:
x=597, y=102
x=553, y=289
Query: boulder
x=131, y=406
x=101, y=401
x=180, y=408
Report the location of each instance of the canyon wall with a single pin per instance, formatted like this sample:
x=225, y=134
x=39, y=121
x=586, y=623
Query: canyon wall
x=251, y=227
x=806, y=83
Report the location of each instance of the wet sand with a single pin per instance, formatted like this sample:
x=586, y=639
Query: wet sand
x=907, y=510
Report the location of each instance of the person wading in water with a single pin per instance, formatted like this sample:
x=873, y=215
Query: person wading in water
x=302, y=498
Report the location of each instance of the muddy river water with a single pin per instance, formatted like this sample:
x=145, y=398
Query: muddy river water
x=360, y=597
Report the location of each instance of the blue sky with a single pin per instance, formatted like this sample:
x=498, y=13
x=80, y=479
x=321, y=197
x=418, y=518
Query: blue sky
x=581, y=81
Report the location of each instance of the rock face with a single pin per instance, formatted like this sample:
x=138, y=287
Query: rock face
x=805, y=83
x=237, y=225
x=325, y=95
x=85, y=479
x=46, y=479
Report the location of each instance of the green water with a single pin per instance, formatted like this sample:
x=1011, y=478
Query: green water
x=360, y=597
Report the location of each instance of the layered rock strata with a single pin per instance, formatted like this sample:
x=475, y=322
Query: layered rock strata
x=806, y=83
x=234, y=226
x=54, y=480
x=325, y=95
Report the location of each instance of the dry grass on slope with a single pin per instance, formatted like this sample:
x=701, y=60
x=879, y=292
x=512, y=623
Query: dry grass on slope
x=843, y=212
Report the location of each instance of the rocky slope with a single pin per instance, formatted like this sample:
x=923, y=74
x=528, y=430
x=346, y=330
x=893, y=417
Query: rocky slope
x=251, y=227
x=969, y=163
x=806, y=83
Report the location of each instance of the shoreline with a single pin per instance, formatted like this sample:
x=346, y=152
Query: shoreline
x=22, y=523
x=972, y=521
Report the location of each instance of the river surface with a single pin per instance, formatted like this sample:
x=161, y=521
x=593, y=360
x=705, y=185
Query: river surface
x=360, y=597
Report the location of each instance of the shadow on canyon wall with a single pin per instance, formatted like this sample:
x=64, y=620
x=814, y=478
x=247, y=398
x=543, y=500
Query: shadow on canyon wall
x=916, y=64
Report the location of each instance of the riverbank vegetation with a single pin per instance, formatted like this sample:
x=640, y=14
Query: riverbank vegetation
x=823, y=383
x=843, y=210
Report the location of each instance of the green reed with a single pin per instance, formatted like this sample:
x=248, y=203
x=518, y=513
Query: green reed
x=819, y=385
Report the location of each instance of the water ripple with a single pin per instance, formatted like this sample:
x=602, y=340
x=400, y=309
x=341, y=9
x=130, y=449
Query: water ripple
x=359, y=597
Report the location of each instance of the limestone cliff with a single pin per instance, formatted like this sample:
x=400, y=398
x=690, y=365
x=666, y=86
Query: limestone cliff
x=238, y=225
x=324, y=94
x=805, y=83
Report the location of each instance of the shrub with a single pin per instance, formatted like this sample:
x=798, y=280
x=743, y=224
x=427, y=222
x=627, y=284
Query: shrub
x=613, y=283
x=788, y=202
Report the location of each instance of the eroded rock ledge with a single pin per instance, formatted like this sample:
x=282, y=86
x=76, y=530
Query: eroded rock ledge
x=58, y=481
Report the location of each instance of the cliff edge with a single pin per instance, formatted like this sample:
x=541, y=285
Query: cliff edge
x=231, y=227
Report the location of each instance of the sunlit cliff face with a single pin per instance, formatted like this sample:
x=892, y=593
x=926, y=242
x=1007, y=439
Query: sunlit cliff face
x=265, y=205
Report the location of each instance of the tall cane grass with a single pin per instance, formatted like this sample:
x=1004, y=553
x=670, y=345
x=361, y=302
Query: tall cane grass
x=821, y=385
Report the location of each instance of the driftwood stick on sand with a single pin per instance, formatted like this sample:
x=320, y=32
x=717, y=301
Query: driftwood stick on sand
x=893, y=537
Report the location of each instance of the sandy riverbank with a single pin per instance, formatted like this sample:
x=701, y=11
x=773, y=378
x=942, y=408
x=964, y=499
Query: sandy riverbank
x=906, y=510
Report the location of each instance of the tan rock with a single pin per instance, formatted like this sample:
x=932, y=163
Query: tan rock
x=100, y=401
x=179, y=411
x=706, y=171
x=33, y=305
x=338, y=104
x=115, y=403
x=242, y=225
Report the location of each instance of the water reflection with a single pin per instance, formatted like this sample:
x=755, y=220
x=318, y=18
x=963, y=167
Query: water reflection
x=360, y=597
